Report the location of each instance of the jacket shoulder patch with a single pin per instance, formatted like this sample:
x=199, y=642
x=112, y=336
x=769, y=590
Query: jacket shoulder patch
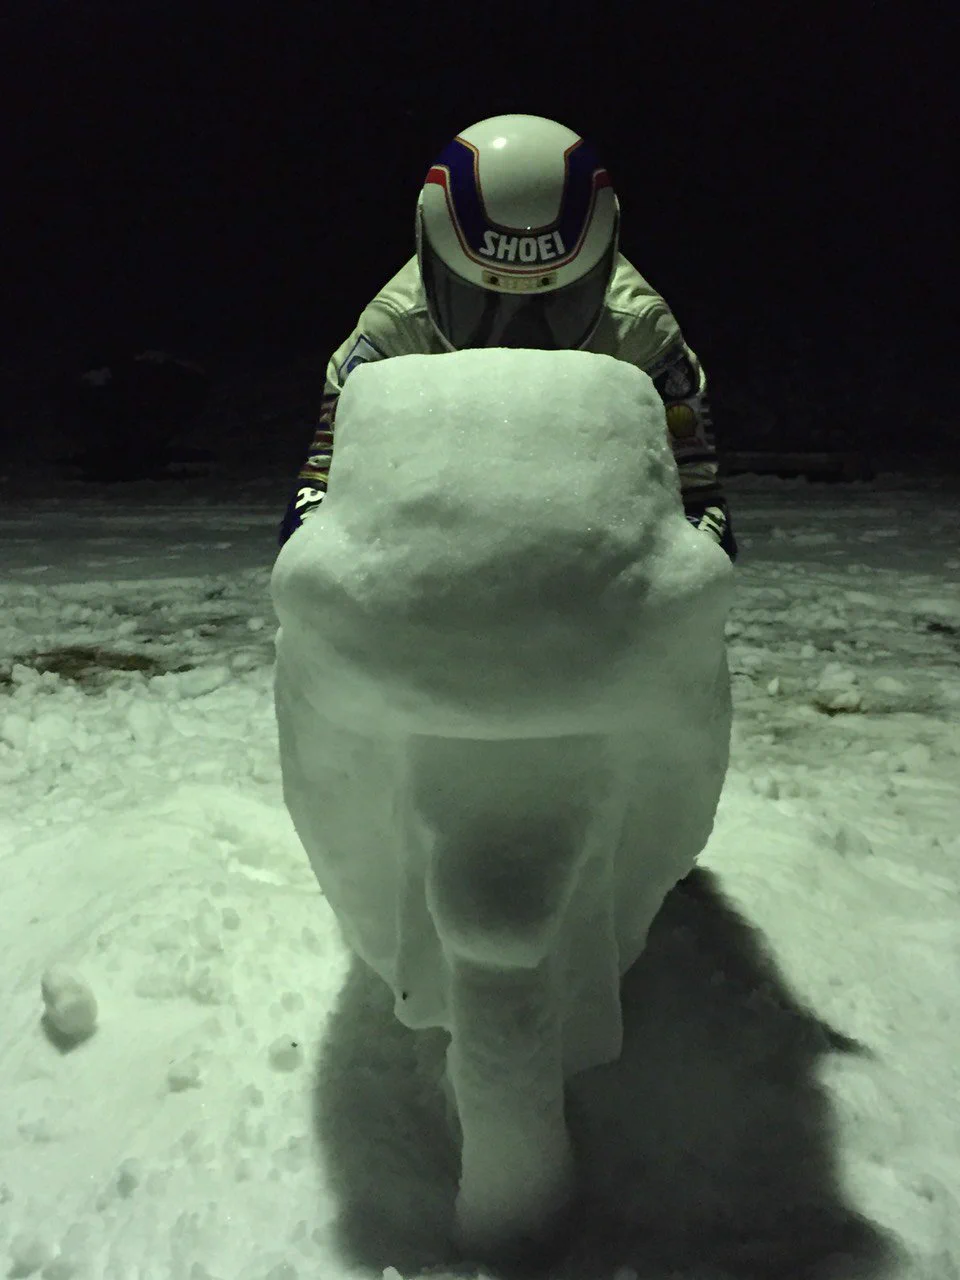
x=363, y=351
x=674, y=376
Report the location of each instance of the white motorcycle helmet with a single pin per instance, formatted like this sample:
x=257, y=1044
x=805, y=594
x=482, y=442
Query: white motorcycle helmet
x=517, y=232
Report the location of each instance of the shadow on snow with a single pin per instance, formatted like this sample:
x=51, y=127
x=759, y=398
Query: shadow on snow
x=707, y=1149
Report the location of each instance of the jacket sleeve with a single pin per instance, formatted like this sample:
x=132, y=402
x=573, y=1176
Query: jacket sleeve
x=679, y=378
x=374, y=338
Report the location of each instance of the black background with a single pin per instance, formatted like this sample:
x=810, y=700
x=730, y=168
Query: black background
x=234, y=181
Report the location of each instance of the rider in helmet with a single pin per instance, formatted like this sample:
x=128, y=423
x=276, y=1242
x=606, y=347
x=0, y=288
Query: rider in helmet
x=517, y=246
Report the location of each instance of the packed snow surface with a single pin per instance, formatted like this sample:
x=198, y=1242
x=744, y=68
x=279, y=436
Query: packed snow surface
x=504, y=723
x=462, y=664
x=247, y=1106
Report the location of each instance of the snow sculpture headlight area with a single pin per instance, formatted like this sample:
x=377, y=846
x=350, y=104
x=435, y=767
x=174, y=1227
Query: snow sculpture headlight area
x=504, y=719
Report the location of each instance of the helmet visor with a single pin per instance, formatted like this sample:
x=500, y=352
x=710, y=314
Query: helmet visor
x=470, y=316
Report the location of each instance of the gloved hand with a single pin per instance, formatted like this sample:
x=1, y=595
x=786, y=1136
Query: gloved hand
x=715, y=522
x=304, y=503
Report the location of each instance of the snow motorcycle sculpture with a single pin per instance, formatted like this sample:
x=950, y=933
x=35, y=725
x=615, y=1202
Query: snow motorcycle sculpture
x=504, y=718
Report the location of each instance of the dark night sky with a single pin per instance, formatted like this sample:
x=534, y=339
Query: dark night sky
x=241, y=178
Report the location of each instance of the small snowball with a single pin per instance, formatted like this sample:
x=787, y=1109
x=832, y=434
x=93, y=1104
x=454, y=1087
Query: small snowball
x=69, y=1004
x=256, y=624
x=773, y=688
x=285, y=1054
x=183, y=1075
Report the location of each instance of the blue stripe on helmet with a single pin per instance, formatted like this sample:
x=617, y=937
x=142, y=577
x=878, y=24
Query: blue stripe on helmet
x=584, y=174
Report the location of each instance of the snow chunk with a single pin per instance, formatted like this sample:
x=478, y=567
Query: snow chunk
x=69, y=1004
x=145, y=721
x=890, y=686
x=837, y=689
x=202, y=680
x=285, y=1054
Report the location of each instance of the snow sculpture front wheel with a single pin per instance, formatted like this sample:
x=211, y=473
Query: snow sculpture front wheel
x=505, y=1072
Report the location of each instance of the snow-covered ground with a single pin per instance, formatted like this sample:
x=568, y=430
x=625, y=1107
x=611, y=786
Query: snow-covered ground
x=788, y=1099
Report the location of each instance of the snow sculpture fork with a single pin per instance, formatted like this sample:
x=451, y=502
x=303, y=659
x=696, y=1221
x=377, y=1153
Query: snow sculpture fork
x=506, y=824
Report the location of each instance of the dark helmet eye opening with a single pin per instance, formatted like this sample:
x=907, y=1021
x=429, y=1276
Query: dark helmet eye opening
x=468, y=315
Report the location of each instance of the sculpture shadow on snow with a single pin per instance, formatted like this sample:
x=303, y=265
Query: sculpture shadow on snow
x=706, y=1149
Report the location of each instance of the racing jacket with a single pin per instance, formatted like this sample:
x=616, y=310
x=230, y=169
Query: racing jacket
x=635, y=325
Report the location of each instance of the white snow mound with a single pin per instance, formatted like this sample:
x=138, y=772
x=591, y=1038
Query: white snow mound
x=501, y=689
